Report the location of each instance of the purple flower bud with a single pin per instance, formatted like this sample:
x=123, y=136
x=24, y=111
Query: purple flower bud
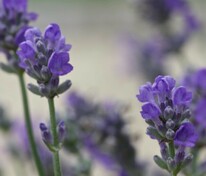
x=170, y=134
x=164, y=151
x=186, y=135
x=170, y=124
x=46, y=134
x=171, y=163
x=168, y=113
x=179, y=157
x=61, y=129
x=187, y=160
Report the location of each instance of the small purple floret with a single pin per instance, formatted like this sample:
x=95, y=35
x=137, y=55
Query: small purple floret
x=182, y=96
x=186, y=135
x=58, y=64
x=150, y=111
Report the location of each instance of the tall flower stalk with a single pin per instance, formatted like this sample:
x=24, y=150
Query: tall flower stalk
x=14, y=20
x=45, y=58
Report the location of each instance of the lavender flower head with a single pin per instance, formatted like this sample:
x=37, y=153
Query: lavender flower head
x=45, y=58
x=166, y=110
x=14, y=21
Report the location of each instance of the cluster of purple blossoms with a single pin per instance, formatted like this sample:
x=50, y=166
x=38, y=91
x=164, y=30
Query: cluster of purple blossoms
x=100, y=128
x=196, y=82
x=45, y=58
x=14, y=21
x=166, y=111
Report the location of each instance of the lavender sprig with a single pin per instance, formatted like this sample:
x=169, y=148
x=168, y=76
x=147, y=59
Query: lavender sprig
x=45, y=58
x=14, y=21
x=166, y=111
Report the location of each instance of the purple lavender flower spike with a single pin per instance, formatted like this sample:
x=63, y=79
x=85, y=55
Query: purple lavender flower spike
x=186, y=135
x=45, y=58
x=166, y=117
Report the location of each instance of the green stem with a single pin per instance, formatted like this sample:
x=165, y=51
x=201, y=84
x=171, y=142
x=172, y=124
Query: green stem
x=173, y=174
x=56, y=160
x=172, y=155
x=29, y=126
x=172, y=149
x=194, y=161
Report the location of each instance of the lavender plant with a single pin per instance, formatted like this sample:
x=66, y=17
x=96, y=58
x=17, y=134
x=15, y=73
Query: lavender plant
x=45, y=58
x=167, y=113
x=14, y=20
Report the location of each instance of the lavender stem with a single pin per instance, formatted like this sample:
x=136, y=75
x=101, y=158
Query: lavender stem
x=56, y=160
x=29, y=126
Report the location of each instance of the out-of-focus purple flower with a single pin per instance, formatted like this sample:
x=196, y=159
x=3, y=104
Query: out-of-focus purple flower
x=186, y=135
x=14, y=21
x=100, y=126
x=45, y=58
x=155, y=11
x=97, y=154
x=200, y=112
x=196, y=82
